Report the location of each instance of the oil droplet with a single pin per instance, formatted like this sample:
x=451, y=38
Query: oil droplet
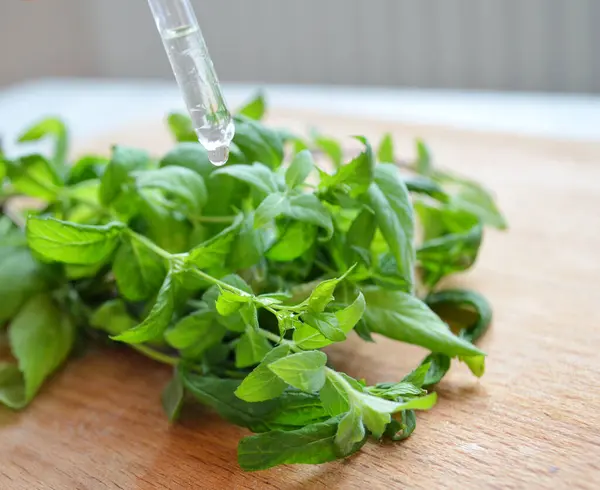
x=219, y=155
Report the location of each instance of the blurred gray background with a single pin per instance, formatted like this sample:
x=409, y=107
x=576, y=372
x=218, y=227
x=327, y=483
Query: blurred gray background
x=521, y=45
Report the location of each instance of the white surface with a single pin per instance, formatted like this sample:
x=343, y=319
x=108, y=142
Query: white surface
x=91, y=107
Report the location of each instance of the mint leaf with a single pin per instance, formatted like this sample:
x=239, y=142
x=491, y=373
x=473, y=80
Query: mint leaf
x=385, y=153
x=34, y=176
x=194, y=334
x=305, y=370
x=219, y=395
x=229, y=302
x=334, y=397
x=181, y=127
x=168, y=229
x=331, y=148
x=350, y=431
x=21, y=276
x=262, y=383
x=322, y=295
x=56, y=129
x=192, y=156
x=88, y=167
x=308, y=338
x=172, y=398
x=301, y=166
x=295, y=240
x=251, y=348
x=258, y=143
x=184, y=186
x=327, y=324
x=357, y=175
x=139, y=272
x=112, y=317
x=249, y=246
x=404, y=317
x=312, y=444
x=309, y=209
x=424, y=161
x=123, y=161
x=40, y=337
x=72, y=243
x=214, y=252
x=255, y=108
x=157, y=320
x=390, y=201
x=270, y=208
x=257, y=175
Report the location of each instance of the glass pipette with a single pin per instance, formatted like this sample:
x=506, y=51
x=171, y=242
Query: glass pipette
x=195, y=75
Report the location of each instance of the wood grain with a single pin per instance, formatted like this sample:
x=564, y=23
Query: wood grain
x=533, y=421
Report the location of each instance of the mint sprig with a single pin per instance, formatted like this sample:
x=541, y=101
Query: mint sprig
x=238, y=276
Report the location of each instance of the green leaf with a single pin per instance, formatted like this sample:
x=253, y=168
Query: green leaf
x=249, y=246
x=112, y=317
x=194, y=334
x=331, y=148
x=427, y=186
x=417, y=376
x=390, y=201
x=304, y=370
x=400, y=430
x=327, y=324
x=424, y=164
x=334, y=396
x=258, y=143
x=214, y=252
x=184, y=186
x=452, y=241
x=219, y=394
x=157, y=320
x=350, y=431
x=308, y=338
x=56, y=129
x=229, y=302
x=88, y=167
x=12, y=388
x=72, y=243
x=312, y=444
x=251, y=348
x=255, y=108
x=297, y=409
x=309, y=209
x=356, y=175
x=270, y=208
x=295, y=240
x=192, y=156
x=361, y=233
x=181, y=127
x=301, y=166
x=139, y=272
x=404, y=317
x=123, y=161
x=385, y=154
x=262, y=383
x=34, y=176
x=322, y=295
x=469, y=311
x=21, y=276
x=40, y=337
x=234, y=322
x=257, y=175
x=172, y=398
x=168, y=229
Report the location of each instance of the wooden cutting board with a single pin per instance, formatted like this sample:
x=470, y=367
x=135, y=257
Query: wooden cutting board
x=533, y=420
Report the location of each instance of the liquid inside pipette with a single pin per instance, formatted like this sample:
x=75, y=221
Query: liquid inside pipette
x=196, y=76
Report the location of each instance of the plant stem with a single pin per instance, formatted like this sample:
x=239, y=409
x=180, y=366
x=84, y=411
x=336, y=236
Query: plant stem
x=218, y=282
x=155, y=355
x=213, y=219
x=278, y=340
x=150, y=244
